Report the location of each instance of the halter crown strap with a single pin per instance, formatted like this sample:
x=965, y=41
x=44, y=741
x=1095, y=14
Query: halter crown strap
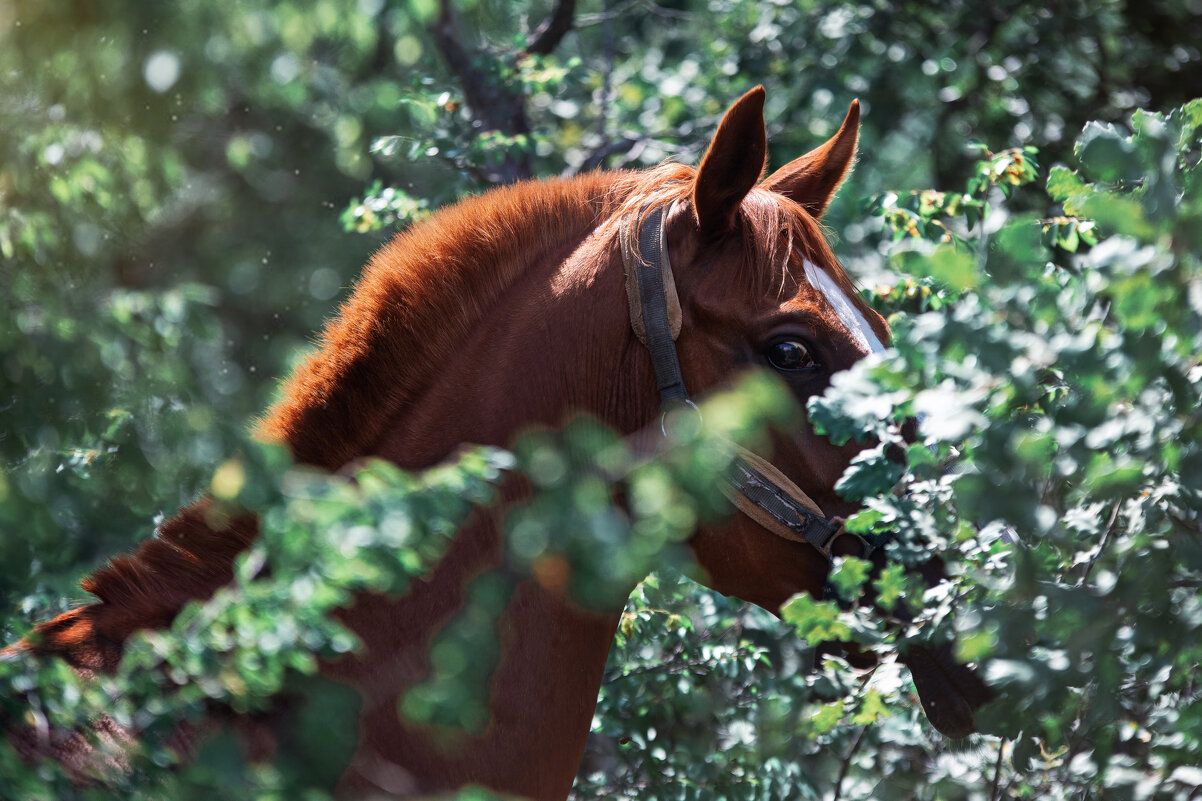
x=754, y=486
x=651, y=297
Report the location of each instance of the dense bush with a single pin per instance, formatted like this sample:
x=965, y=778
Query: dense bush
x=1053, y=365
x=176, y=216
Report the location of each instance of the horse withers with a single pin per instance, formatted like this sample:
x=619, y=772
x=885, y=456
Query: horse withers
x=606, y=294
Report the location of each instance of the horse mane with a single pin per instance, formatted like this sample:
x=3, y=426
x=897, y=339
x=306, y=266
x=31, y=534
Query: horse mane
x=418, y=295
x=189, y=557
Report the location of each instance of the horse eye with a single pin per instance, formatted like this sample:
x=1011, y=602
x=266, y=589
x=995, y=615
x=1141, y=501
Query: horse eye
x=790, y=355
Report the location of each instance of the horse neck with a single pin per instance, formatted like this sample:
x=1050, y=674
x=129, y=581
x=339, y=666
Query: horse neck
x=508, y=372
x=552, y=653
x=542, y=694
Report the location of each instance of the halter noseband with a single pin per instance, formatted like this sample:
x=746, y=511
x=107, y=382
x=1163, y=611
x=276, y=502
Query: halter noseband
x=752, y=484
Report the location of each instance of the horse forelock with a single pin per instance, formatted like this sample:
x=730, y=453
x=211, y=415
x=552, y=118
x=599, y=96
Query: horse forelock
x=786, y=249
x=778, y=236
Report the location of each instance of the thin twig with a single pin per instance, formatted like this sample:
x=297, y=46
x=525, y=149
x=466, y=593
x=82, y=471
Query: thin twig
x=1190, y=526
x=607, y=13
x=1114, y=516
x=607, y=71
x=600, y=155
x=851, y=752
x=588, y=20
x=847, y=762
x=997, y=771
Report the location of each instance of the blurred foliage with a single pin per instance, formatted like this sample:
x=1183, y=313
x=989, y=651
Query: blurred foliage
x=1057, y=393
x=184, y=190
x=254, y=648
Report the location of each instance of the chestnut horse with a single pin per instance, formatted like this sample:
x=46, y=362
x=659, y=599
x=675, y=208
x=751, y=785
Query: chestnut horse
x=511, y=309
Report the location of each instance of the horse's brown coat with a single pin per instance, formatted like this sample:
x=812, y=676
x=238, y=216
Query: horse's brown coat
x=505, y=311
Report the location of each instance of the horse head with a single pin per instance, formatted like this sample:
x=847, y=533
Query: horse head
x=755, y=285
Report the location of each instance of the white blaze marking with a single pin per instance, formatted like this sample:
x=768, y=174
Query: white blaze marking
x=857, y=325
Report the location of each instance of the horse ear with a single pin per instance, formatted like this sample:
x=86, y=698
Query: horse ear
x=733, y=163
x=811, y=180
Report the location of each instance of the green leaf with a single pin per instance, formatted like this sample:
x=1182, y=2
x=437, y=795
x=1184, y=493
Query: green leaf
x=871, y=471
x=815, y=621
x=827, y=717
x=890, y=585
x=975, y=646
x=864, y=521
x=1120, y=214
x=1064, y=183
x=953, y=266
x=872, y=709
x=1107, y=154
x=848, y=575
x=1067, y=238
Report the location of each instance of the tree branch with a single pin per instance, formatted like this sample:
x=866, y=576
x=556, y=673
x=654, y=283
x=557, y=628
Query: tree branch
x=598, y=157
x=494, y=106
x=446, y=39
x=606, y=89
x=553, y=29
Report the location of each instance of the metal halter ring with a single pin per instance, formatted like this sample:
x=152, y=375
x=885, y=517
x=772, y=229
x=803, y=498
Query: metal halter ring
x=673, y=410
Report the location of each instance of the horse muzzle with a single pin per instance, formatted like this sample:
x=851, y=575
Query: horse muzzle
x=950, y=693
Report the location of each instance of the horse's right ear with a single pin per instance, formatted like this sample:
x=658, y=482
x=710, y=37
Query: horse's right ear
x=732, y=165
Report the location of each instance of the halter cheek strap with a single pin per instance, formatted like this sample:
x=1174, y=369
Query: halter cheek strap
x=752, y=484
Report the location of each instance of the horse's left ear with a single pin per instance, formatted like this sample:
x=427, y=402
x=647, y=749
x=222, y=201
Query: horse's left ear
x=811, y=180
x=733, y=163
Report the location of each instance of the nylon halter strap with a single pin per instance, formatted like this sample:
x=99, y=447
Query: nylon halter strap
x=753, y=485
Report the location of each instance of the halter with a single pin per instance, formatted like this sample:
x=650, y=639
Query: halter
x=753, y=485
